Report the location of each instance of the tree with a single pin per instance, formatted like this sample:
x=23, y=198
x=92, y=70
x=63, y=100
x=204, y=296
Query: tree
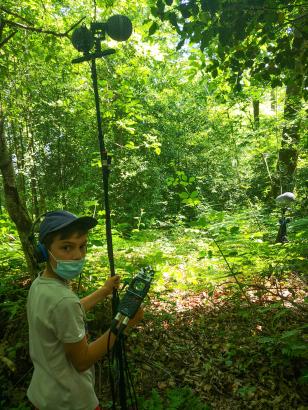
x=15, y=24
x=262, y=40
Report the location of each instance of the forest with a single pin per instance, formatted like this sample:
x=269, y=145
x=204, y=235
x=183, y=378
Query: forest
x=203, y=115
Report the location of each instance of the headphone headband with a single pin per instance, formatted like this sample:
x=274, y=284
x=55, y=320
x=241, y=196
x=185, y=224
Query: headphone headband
x=41, y=253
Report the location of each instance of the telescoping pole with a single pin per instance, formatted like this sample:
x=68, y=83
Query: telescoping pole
x=106, y=163
x=118, y=28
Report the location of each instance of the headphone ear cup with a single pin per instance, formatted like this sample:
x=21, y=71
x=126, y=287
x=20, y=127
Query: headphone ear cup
x=41, y=253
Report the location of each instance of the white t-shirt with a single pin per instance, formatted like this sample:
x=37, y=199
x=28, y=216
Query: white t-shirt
x=55, y=317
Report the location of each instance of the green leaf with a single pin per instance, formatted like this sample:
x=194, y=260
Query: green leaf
x=153, y=28
x=234, y=230
x=194, y=194
x=183, y=195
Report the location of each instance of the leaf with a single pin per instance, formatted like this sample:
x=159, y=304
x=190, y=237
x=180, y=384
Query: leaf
x=234, y=230
x=173, y=19
x=183, y=195
x=184, y=9
x=131, y=145
x=153, y=28
x=180, y=44
x=194, y=194
x=184, y=177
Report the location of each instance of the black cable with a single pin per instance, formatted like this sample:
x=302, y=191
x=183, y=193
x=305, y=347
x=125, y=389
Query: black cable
x=130, y=380
x=130, y=388
x=112, y=385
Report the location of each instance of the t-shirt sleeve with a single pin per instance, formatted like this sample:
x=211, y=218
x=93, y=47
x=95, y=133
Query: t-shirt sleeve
x=68, y=321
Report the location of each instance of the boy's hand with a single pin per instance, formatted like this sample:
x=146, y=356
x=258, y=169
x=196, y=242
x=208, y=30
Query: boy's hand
x=111, y=283
x=137, y=318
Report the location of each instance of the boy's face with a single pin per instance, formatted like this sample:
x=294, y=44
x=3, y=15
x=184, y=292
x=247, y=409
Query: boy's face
x=72, y=248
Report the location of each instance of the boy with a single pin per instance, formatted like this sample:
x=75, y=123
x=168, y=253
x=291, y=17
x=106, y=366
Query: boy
x=63, y=377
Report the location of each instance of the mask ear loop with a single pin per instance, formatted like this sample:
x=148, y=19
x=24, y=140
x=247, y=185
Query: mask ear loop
x=79, y=281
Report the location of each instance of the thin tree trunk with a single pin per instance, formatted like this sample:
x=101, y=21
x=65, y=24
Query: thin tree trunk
x=33, y=174
x=14, y=205
x=0, y=198
x=22, y=160
x=288, y=153
x=273, y=100
x=256, y=113
x=20, y=180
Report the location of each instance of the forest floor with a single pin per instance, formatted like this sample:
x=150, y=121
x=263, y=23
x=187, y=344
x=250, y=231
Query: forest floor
x=231, y=355
x=225, y=325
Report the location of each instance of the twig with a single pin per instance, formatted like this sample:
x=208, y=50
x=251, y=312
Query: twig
x=153, y=364
x=232, y=272
x=264, y=288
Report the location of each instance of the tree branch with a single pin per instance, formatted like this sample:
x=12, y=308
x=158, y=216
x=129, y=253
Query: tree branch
x=265, y=8
x=302, y=16
x=7, y=38
x=41, y=30
x=15, y=15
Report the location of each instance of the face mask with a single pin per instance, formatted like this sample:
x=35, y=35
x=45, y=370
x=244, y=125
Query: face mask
x=68, y=269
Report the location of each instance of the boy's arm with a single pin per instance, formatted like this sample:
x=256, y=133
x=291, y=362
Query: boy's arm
x=91, y=300
x=84, y=355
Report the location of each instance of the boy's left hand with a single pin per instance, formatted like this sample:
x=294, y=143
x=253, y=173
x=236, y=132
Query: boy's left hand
x=111, y=283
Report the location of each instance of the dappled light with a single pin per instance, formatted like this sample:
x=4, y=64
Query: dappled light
x=162, y=141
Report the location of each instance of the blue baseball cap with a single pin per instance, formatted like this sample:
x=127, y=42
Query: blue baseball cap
x=56, y=220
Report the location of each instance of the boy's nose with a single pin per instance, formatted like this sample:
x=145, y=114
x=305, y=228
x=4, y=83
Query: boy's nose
x=78, y=254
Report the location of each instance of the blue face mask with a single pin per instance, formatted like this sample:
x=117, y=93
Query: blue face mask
x=68, y=269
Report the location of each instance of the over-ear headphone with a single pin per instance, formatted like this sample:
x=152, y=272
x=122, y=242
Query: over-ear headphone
x=41, y=253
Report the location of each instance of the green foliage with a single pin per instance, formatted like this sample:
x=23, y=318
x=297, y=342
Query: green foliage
x=256, y=39
x=292, y=344
x=14, y=361
x=11, y=256
x=189, y=156
x=211, y=335
x=173, y=399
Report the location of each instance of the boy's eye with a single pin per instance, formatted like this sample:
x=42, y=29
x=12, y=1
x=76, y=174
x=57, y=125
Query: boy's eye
x=68, y=248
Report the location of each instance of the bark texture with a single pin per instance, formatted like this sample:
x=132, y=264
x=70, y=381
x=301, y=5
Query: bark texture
x=14, y=205
x=289, y=151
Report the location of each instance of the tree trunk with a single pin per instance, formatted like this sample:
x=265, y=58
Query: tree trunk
x=288, y=153
x=20, y=178
x=256, y=114
x=14, y=205
x=33, y=174
x=273, y=100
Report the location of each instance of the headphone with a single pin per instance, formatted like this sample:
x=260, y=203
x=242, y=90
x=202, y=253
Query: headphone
x=40, y=253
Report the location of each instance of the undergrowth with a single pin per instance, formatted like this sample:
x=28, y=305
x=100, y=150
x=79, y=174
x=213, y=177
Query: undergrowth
x=225, y=325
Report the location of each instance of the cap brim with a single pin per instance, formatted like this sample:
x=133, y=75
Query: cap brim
x=86, y=222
